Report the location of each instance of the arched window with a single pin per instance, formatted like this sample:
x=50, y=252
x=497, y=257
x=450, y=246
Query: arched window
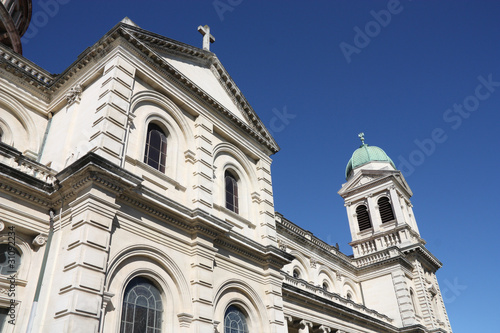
x=235, y=321
x=296, y=273
x=231, y=191
x=325, y=286
x=364, y=221
x=385, y=209
x=349, y=296
x=155, y=154
x=142, y=307
x=413, y=301
x=10, y=259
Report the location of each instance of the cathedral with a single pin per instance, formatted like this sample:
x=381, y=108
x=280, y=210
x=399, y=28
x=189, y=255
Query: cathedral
x=136, y=196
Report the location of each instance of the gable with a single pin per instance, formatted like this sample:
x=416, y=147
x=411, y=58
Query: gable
x=206, y=80
x=371, y=177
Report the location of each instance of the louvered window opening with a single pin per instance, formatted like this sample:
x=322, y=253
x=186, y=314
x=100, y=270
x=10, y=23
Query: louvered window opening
x=385, y=209
x=363, y=218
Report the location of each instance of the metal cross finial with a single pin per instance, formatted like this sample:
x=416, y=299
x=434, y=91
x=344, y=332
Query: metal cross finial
x=207, y=37
x=362, y=137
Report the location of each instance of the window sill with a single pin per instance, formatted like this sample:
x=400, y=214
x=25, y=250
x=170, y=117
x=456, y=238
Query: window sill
x=234, y=216
x=156, y=173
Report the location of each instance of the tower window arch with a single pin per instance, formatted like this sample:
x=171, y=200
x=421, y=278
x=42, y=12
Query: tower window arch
x=235, y=321
x=142, y=307
x=155, y=154
x=296, y=273
x=364, y=221
x=231, y=185
x=385, y=209
x=325, y=286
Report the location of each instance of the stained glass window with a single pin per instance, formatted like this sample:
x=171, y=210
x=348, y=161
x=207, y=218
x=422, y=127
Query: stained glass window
x=155, y=154
x=142, y=307
x=235, y=321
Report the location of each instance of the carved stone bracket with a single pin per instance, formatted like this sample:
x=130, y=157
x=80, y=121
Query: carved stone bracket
x=107, y=305
x=74, y=94
x=281, y=245
x=40, y=240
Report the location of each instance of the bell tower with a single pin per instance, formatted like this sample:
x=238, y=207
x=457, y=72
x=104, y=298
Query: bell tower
x=377, y=200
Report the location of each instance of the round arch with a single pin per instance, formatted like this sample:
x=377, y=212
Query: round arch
x=299, y=262
x=165, y=103
x=239, y=293
x=18, y=111
x=155, y=265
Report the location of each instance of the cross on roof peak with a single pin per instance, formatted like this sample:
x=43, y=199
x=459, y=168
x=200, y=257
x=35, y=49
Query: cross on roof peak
x=207, y=37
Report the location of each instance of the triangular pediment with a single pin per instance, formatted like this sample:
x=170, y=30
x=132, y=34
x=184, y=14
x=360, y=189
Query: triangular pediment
x=204, y=75
x=206, y=79
x=368, y=178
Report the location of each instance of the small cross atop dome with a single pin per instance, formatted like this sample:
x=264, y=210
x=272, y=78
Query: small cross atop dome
x=362, y=137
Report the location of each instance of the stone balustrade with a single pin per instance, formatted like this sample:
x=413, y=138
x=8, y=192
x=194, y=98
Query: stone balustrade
x=334, y=297
x=15, y=159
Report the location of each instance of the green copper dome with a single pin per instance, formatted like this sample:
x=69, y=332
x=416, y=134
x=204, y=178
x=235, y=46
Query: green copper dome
x=365, y=154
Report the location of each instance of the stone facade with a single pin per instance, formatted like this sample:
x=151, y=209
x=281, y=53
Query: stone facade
x=92, y=217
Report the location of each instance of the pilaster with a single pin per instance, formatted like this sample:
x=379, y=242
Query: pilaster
x=202, y=264
x=85, y=263
x=404, y=299
x=109, y=126
x=266, y=203
x=396, y=206
x=203, y=174
x=424, y=300
x=274, y=304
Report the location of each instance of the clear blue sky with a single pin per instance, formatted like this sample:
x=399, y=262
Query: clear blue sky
x=430, y=72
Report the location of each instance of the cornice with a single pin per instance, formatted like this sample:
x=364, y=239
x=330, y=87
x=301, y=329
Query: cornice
x=307, y=237
x=421, y=251
x=263, y=255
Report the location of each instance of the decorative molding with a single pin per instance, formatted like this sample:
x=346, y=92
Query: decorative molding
x=2, y=226
x=216, y=325
x=190, y=157
x=185, y=319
